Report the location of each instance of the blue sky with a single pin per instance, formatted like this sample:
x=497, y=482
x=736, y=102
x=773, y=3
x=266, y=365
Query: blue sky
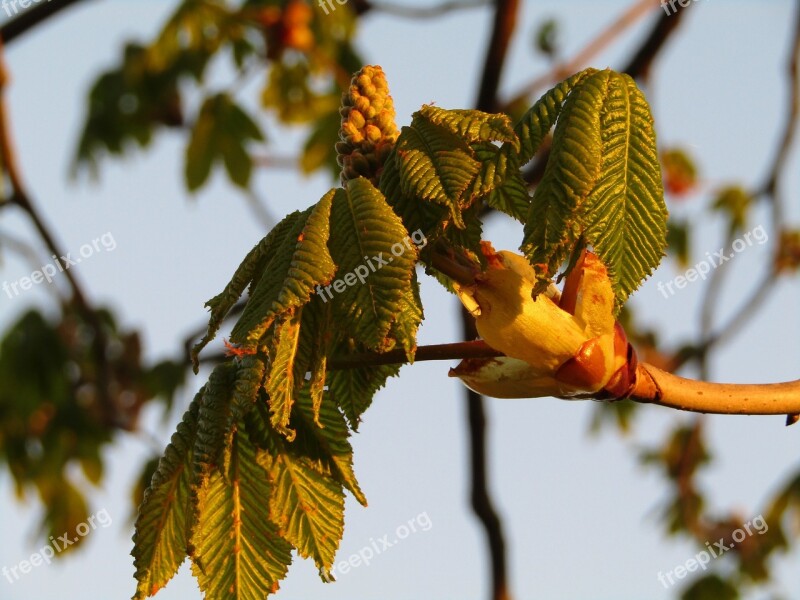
x=579, y=513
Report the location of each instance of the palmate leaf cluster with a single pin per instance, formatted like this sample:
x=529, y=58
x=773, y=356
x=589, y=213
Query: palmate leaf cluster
x=261, y=460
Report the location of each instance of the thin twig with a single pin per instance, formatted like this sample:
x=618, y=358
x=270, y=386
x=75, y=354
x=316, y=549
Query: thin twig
x=505, y=20
x=32, y=17
x=409, y=12
x=21, y=199
x=564, y=69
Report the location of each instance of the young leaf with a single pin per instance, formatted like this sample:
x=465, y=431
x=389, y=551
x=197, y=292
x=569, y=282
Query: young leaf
x=625, y=215
x=237, y=551
x=301, y=262
x=472, y=125
x=370, y=245
x=436, y=165
x=540, y=118
x=602, y=184
x=162, y=523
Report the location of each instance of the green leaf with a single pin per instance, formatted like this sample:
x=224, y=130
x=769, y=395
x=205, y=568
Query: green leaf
x=540, y=118
x=308, y=507
x=711, y=587
x=472, y=125
x=301, y=262
x=214, y=422
x=353, y=389
x=221, y=132
x=312, y=351
x=511, y=196
x=625, y=215
x=602, y=184
x=281, y=383
x=322, y=436
x=416, y=214
x=255, y=264
x=375, y=258
x=237, y=551
x=408, y=319
x=436, y=165
x=163, y=520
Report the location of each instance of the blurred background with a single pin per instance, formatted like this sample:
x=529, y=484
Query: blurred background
x=583, y=515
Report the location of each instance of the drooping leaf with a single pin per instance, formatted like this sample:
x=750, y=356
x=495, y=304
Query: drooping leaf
x=214, y=423
x=308, y=508
x=322, y=436
x=237, y=551
x=281, y=385
x=375, y=257
x=257, y=261
x=301, y=263
x=353, y=389
x=162, y=526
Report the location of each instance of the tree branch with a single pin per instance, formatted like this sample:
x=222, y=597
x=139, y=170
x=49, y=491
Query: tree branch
x=654, y=386
x=408, y=12
x=32, y=17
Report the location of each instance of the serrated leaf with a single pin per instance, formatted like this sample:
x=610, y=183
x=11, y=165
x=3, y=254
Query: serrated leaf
x=301, y=262
x=257, y=261
x=375, y=258
x=237, y=551
x=162, y=525
x=510, y=195
x=472, y=125
x=552, y=227
x=322, y=436
x=408, y=319
x=214, y=423
x=540, y=118
x=281, y=383
x=602, y=185
x=308, y=508
x=312, y=349
x=625, y=215
x=353, y=389
x=415, y=214
x=436, y=165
